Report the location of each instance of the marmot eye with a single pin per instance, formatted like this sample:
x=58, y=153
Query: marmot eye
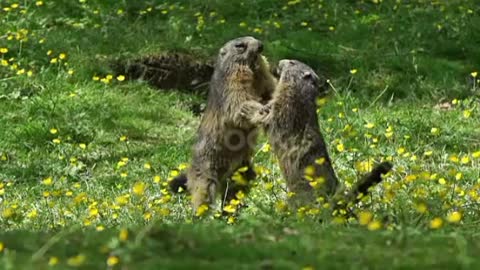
x=240, y=45
x=307, y=75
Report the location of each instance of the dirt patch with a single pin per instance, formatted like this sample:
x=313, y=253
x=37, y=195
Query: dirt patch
x=168, y=71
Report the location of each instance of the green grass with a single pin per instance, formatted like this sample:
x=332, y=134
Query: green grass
x=82, y=159
x=214, y=246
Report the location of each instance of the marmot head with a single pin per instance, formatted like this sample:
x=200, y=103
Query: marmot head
x=243, y=51
x=296, y=73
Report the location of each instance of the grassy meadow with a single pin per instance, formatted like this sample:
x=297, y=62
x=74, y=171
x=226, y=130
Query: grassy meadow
x=86, y=154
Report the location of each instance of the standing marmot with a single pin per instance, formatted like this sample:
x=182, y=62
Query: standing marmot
x=291, y=123
x=225, y=141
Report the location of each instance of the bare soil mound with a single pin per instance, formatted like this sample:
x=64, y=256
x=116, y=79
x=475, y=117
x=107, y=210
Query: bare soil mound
x=168, y=71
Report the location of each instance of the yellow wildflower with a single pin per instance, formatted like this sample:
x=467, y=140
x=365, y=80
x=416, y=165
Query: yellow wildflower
x=421, y=208
x=436, y=223
x=454, y=217
x=230, y=209
x=139, y=188
x=174, y=173
x=313, y=184
x=454, y=159
x=201, y=210
x=122, y=200
x=370, y=125
x=266, y=148
x=47, y=181
x=269, y=186
x=243, y=169
x=112, y=260
x=93, y=212
x=309, y=170
x=428, y=153
x=442, y=181
x=53, y=261
x=240, y=195
x=364, y=218
x=321, y=101
x=340, y=147
x=320, y=161
x=123, y=235
x=147, y=216
x=32, y=214
x=76, y=260
x=280, y=206
x=364, y=166
x=374, y=225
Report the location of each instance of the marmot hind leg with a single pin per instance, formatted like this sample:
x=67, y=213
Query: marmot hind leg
x=202, y=186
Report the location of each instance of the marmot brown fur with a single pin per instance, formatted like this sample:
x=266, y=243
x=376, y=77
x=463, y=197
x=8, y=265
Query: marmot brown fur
x=291, y=124
x=225, y=141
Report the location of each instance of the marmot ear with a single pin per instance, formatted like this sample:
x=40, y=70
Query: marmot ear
x=223, y=51
x=307, y=75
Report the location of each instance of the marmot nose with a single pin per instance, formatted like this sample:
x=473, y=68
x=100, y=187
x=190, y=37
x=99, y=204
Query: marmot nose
x=260, y=47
